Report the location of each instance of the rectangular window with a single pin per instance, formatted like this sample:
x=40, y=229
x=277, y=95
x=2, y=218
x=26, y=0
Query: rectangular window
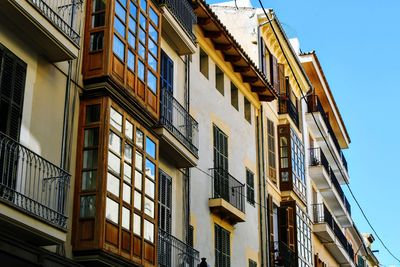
x=203, y=63
x=234, y=96
x=304, y=249
x=247, y=110
x=222, y=247
x=219, y=80
x=271, y=151
x=250, y=187
x=220, y=149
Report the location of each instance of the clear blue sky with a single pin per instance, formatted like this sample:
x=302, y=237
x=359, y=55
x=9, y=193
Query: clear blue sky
x=357, y=43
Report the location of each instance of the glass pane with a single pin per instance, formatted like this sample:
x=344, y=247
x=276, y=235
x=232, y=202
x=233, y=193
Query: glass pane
x=133, y=10
x=92, y=113
x=128, y=153
x=152, y=62
x=150, y=169
x=149, y=207
x=112, y=210
x=153, y=48
x=90, y=159
x=152, y=82
x=142, y=36
x=149, y=188
x=153, y=33
x=142, y=51
x=98, y=5
x=131, y=40
x=114, y=163
x=141, y=70
x=139, y=161
x=132, y=25
x=126, y=218
x=116, y=119
x=115, y=143
x=98, y=19
x=89, y=180
x=127, y=172
x=137, y=224
x=120, y=11
x=148, y=231
x=150, y=148
x=96, y=41
x=129, y=130
x=91, y=137
x=112, y=184
x=142, y=21
x=137, y=200
x=126, y=193
x=153, y=16
x=119, y=48
x=88, y=207
x=139, y=139
x=119, y=27
x=138, y=180
x=123, y=2
x=143, y=5
x=131, y=61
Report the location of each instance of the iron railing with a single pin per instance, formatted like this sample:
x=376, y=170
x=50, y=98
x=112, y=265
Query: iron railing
x=286, y=106
x=63, y=14
x=317, y=157
x=183, y=12
x=225, y=186
x=32, y=184
x=179, y=122
x=283, y=255
x=322, y=215
x=172, y=252
x=340, y=192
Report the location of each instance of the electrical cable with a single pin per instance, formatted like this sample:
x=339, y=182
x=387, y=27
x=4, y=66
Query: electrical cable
x=330, y=150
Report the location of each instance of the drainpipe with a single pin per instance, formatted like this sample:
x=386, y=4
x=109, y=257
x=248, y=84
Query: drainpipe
x=66, y=118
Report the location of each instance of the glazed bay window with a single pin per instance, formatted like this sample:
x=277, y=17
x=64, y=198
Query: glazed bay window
x=118, y=195
x=304, y=250
x=291, y=165
x=271, y=151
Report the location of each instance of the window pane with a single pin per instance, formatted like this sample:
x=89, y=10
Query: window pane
x=137, y=224
x=150, y=169
x=139, y=161
x=128, y=153
x=112, y=184
x=114, y=163
x=96, y=41
x=143, y=5
x=142, y=36
x=126, y=193
x=88, y=207
x=131, y=40
x=115, y=143
x=149, y=207
x=138, y=180
x=112, y=210
x=133, y=10
x=148, y=231
x=137, y=200
x=141, y=70
x=132, y=25
x=116, y=119
x=153, y=33
x=149, y=188
x=98, y=5
x=152, y=62
x=98, y=19
x=131, y=61
x=127, y=172
x=152, y=82
x=129, y=130
x=142, y=21
x=153, y=48
x=91, y=137
x=139, y=139
x=153, y=16
x=120, y=11
x=119, y=27
x=92, y=113
x=89, y=180
x=126, y=218
x=119, y=48
x=142, y=51
x=150, y=147
x=90, y=159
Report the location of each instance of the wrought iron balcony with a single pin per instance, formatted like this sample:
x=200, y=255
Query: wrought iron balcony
x=174, y=252
x=317, y=158
x=63, y=14
x=225, y=186
x=183, y=13
x=339, y=190
x=32, y=184
x=283, y=255
x=179, y=122
x=286, y=106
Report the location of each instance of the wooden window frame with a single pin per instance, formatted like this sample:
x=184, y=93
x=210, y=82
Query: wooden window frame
x=250, y=191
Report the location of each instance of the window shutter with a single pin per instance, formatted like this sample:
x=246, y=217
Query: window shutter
x=165, y=202
x=271, y=228
x=282, y=80
x=275, y=73
x=291, y=228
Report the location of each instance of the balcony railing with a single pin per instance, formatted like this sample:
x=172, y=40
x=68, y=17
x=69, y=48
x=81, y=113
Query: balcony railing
x=179, y=122
x=174, y=252
x=225, y=186
x=286, y=106
x=63, y=14
x=339, y=190
x=32, y=184
x=322, y=215
x=317, y=158
x=183, y=12
x=283, y=255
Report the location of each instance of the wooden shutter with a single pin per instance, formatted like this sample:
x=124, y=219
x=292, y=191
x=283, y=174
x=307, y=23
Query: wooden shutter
x=12, y=87
x=291, y=228
x=271, y=228
x=165, y=202
x=275, y=73
x=282, y=80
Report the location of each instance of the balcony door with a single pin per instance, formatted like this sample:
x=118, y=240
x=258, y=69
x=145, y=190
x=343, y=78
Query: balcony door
x=221, y=176
x=165, y=220
x=167, y=87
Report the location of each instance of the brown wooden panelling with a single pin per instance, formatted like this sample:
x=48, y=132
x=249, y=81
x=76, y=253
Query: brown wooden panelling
x=95, y=61
x=118, y=68
x=149, y=252
x=137, y=246
x=126, y=241
x=131, y=82
x=111, y=234
x=152, y=100
x=141, y=90
x=86, y=230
